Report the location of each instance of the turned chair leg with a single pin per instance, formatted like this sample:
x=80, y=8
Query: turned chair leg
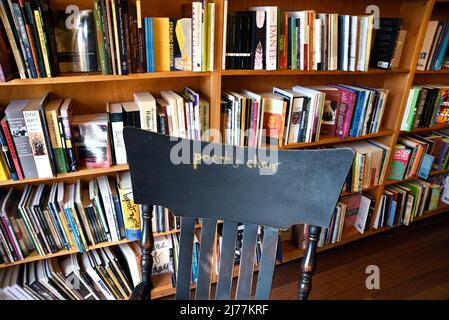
x=143, y=290
x=308, y=263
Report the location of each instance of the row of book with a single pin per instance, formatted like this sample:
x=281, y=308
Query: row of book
x=72, y=216
x=434, y=53
x=40, y=138
x=403, y=202
x=416, y=155
x=101, y=274
x=302, y=114
x=272, y=39
x=426, y=106
x=369, y=166
x=164, y=220
x=113, y=38
x=330, y=235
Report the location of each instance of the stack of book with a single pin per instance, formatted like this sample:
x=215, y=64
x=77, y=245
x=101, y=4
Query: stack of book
x=113, y=38
x=434, y=52
x=47, y=219
x=302, y=114
x=401, y=203
x=40, y=138
x=426, y=106
x=352, y=211
x=101, y=274
x=369, y=167
x=271, y=39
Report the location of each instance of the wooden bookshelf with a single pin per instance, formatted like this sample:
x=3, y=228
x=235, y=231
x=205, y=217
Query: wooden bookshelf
x=72, y=176
x=91, y=92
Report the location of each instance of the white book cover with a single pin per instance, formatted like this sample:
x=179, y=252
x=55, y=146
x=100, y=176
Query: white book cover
x=271, y=35
x=197, y=17
x=333, y=41
x=105, y=193
x=172, y=112
x=147, y=110
x=38, y=144
x=132, y=262
x=362, y=214
x=353, y=43
x=317, y=44
x=116, y=116
x=363, y=26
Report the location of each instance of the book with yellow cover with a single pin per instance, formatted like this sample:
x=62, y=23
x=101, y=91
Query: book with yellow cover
x=161, y=36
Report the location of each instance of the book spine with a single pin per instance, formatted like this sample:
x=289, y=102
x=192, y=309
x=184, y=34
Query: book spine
x=140, y=39
x=66, y=136
x=204, y=30
x=76, y=236
x=38, y=144
x=196, y=36
x=116, y=31
x=109, y=28
x=131, y=215
x=134, y=44
x=117, y=133
x=271, y=45
x=43, y=42
x=7, y=250
x=55, y=138
x=171, y=43
x=211, y=35
x=122, y=36
x=8, y=156
x=100, y=40
x=35, y=39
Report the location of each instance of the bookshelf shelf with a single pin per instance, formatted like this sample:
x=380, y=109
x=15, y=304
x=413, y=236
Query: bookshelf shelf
x=432, y=72
x=95, y=77
x=233, y=72
x=82, y=173
x=431, y=174
x=336, y=140
x=427, y=129
x=34, y=256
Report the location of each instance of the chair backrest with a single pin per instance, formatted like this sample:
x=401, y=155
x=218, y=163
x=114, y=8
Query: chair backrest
x=257, y=187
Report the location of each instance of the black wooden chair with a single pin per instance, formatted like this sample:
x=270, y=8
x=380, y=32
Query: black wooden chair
x=236, y=185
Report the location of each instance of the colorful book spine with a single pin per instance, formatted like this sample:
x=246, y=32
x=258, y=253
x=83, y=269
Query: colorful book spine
x=55, y=138
x=7, y=156
x=43, y=42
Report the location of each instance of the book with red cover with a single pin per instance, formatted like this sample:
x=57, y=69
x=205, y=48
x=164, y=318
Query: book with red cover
x=330, y=112
x=399, y=163
x=346, y=109
x=11, y=147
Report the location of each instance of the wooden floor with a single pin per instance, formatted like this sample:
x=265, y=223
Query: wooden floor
x=413, y=263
